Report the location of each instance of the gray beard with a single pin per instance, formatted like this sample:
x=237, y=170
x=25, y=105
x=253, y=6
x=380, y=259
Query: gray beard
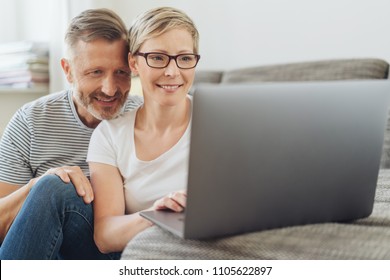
x=91, y=110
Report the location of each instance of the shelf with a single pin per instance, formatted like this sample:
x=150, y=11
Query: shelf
x=42, y=91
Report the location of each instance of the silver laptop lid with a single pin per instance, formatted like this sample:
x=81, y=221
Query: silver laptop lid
x=272, y=155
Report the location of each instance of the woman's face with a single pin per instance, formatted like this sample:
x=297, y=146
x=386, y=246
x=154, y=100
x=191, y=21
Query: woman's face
x=169, y=85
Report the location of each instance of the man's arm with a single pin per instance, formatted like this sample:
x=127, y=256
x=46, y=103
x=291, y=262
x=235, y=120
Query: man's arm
x=12, y=198
x=17, y=171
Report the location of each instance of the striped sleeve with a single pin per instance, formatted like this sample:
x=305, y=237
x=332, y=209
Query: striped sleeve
x=15, y=151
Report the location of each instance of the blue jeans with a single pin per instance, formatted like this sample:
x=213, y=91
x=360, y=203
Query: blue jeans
x=53, y=223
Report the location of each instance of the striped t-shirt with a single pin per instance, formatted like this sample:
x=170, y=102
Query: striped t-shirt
x=44, y=134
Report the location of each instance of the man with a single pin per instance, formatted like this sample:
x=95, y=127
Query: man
x=45, y=204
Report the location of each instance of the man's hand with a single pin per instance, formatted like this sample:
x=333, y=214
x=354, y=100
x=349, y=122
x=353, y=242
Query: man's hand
x=75, y=175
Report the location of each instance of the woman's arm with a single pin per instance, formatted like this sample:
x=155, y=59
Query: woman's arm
x=113, y=229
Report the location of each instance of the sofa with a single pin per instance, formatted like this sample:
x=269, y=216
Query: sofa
x=367, y=238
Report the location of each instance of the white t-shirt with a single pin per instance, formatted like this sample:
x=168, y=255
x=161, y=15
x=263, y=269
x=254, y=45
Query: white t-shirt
x=112, y=143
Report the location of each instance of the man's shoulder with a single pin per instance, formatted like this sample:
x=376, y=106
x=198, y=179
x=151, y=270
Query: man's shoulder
x=133, y=101
x=121, y=123
x=123, y=120
x=51, y=100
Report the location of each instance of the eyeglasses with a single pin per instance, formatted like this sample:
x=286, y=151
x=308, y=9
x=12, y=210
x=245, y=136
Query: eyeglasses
x=161, y=60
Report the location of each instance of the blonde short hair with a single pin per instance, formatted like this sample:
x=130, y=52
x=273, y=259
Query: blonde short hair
x=157, y=21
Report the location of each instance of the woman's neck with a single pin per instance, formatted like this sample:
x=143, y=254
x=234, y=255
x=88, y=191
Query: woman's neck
x=163, y=118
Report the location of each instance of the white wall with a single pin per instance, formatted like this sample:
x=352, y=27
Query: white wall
x=24, y=20
x=8, y=31
x=253, y=32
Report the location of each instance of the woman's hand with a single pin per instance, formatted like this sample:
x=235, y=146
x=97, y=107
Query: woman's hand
x=175, y=201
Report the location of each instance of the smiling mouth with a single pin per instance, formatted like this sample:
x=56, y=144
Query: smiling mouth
x=170, y=87
x=106, y=100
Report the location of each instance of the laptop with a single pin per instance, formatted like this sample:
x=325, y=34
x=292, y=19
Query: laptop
x=265, y=156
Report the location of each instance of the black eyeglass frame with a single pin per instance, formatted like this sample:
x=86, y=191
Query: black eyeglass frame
x=174, y=57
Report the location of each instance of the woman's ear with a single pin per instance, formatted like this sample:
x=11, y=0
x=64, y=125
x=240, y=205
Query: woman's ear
x=66, y=67
x=133, y=64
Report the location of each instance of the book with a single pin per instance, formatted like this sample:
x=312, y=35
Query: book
x=38, y=48
x=24, y=64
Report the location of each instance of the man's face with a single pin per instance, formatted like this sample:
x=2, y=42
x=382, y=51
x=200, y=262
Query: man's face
x=100, y=76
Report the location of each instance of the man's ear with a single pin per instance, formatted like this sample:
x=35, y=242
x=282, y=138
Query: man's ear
x=133, y=64
x=67, y=68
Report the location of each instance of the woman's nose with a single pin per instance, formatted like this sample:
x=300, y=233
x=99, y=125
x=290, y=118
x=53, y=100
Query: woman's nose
x=172, y=69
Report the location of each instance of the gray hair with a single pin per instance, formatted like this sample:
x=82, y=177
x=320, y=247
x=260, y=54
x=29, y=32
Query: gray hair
x=157, y=21
x=95, y=24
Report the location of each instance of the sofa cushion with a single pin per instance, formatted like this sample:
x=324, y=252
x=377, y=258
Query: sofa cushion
x=367, y=238
x=326, y=70
x=208, y=76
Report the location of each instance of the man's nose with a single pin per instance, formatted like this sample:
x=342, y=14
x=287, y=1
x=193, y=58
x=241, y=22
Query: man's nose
x=109, y=86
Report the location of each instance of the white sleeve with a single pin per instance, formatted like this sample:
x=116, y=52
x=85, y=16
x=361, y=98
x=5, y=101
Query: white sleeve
x=101, y=147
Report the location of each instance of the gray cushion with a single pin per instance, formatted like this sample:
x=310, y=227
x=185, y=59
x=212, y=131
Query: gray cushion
x=326, y=70
x=208, y=76
x=367, y=238
x=385, y=160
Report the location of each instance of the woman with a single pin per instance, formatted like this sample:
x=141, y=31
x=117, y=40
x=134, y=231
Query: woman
x=139, y=161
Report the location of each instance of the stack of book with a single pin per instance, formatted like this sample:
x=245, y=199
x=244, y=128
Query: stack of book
x=24, y=64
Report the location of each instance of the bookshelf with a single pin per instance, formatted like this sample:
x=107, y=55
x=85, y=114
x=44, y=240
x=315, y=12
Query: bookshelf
x=11, y=99
x=22, y=91
x=24, y=76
